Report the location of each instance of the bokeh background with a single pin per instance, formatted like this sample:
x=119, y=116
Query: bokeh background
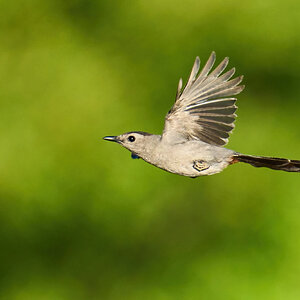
x=79, y=219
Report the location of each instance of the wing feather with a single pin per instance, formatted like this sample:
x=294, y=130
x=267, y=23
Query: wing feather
x=205, y=109
x=194, y=72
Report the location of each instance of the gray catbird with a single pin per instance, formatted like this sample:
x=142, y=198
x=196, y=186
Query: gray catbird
x=197, y=126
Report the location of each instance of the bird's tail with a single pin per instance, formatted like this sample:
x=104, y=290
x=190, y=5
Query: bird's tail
x=274, y=163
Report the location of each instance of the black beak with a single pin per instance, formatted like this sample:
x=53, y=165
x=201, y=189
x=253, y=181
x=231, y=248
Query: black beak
x=111, y=138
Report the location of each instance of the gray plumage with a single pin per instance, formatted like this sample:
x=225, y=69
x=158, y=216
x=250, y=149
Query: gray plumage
x=197, y=126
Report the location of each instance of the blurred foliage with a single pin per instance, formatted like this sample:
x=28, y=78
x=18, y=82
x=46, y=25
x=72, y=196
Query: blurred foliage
x=78, y=218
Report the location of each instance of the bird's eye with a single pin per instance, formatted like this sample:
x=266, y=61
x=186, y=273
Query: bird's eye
x=131, y=138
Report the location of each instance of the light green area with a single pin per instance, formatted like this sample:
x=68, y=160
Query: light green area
x=79, y=219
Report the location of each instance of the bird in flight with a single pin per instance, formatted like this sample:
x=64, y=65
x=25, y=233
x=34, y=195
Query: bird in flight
x=198, y=126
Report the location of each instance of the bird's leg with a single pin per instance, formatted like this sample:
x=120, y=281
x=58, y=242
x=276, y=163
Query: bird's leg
x=200, y=165
x=134, y=156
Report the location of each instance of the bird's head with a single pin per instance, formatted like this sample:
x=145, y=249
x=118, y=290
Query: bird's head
x=137, y=142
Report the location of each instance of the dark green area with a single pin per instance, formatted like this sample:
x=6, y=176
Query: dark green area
x=79, y=219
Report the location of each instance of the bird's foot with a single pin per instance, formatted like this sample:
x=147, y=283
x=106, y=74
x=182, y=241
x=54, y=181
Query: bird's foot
x=200, y=165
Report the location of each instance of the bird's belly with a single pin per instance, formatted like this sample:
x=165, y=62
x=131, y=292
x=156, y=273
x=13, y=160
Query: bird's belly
x=194, y=168
x=191, y=163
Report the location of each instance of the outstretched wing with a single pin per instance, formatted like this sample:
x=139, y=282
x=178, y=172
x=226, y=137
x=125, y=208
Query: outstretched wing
x=205, y=109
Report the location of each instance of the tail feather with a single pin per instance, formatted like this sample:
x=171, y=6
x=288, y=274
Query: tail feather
x=274, y=163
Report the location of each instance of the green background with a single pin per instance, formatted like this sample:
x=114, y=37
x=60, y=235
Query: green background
x=79, y=219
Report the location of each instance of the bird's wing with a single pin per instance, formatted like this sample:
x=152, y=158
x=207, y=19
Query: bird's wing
x=205, y=109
